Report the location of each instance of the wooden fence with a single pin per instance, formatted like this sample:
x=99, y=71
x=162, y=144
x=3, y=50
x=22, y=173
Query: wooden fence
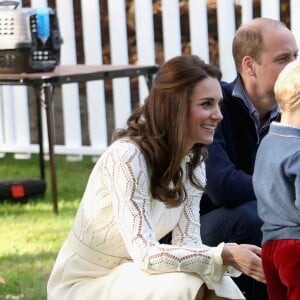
x=122, y=32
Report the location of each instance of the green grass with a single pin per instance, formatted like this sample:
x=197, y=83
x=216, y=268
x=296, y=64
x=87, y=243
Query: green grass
x=31, y=234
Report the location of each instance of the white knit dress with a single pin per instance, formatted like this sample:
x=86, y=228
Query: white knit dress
x=112, y=251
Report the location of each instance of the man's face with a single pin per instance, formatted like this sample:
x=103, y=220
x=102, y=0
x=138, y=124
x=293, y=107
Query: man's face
x=280, y=48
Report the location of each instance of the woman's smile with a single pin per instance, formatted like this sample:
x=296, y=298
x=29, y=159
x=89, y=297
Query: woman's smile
x=204, y=110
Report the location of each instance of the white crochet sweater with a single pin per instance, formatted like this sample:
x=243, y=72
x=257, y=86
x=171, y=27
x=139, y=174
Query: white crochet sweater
x=118, y=217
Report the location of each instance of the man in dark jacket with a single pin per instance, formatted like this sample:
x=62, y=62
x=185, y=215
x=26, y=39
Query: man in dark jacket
x=261, y=49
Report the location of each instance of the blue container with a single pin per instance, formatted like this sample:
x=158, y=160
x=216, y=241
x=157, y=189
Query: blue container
x=43, y=23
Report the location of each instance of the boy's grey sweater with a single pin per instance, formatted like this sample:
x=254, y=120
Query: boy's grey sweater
x=276, y=181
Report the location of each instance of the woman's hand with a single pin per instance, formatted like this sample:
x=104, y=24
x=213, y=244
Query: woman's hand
x=245, y=258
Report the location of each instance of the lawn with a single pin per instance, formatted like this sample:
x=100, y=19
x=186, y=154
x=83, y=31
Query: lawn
x=31, y=234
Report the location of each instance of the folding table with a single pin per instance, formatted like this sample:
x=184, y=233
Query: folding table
x=43, y=84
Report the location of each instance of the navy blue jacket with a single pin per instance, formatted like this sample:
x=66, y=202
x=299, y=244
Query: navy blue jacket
x=231, y=156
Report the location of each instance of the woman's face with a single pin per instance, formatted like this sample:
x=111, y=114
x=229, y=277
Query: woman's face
x=204, y=112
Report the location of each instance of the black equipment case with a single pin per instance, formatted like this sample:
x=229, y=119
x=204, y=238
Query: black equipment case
x=21, y=190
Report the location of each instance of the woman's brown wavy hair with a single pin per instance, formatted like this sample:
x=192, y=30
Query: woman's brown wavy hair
x=159, y=127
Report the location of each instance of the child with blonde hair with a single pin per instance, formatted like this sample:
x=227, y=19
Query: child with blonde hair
x=276, y=181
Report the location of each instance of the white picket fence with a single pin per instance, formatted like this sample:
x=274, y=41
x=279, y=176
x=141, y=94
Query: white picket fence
x=15, y=133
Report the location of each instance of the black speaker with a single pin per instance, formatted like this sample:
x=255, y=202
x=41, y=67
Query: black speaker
x=21, y=190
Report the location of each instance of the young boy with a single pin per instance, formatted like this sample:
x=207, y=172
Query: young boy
x=276, y=181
